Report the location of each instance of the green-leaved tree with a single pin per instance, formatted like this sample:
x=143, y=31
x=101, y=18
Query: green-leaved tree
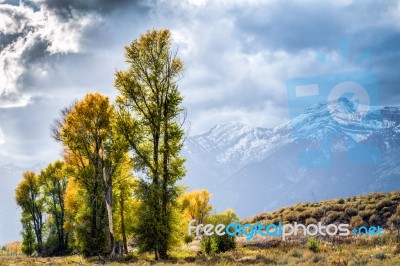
x=28, y=196
x=149, y=108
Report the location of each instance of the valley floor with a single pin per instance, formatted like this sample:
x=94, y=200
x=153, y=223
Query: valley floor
x=362, y=251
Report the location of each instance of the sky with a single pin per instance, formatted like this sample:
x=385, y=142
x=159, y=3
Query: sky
x=238, y=56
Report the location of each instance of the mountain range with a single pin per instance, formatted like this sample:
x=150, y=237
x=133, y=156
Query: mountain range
x=318, y=155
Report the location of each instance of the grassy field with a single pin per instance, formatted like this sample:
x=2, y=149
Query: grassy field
x=260, y=251
x=372, y=209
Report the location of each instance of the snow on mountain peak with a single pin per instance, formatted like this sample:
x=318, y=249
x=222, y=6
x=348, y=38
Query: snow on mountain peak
x=236, y=128
x=247, y=160
x=236, y=144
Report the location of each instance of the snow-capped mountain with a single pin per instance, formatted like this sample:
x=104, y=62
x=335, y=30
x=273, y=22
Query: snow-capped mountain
x=10, y=176
x=328, y=151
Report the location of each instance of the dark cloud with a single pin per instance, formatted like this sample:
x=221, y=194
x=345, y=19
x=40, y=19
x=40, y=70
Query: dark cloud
x=238, y=56
x=66, y=8
x=35, y=31
x=294, y=26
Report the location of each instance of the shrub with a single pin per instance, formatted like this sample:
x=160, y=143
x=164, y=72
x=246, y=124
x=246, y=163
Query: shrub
x=356, y=221
x=290, y=217
x=376, y=196
x=318, y=258
x=337, y=207
x=208, y=245
x=341, y=201
x=366, y=214
x=380, y=256
x=259, y=217
x=224, y=243
x=297, y=254
x=371, y=207
x=276, y=220
x=387, y=215
x=385, y=203
x=311, y=220
x=350, y=211
x=394, y=224
x=269, y=216
x=304, y=215
x=318, y=213
x=374, y=219
x=362, y=206
x=333, y=216
x=313, y=244
x=395, y=197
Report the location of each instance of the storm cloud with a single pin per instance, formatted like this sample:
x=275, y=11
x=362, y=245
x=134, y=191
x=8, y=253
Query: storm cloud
x=238, y=56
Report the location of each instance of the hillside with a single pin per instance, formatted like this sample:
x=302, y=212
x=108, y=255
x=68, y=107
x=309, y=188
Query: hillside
x=368, y=210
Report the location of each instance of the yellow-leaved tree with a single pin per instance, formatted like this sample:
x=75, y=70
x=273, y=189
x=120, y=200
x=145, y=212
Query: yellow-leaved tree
x=95, y=152
x=195, y=205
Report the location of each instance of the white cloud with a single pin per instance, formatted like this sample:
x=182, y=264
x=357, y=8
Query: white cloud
x=65, y=37
x=37, y=32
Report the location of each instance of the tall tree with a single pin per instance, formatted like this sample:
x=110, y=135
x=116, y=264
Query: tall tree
x=29, y=198
x=88, y=136
x=53, y=180
x=149, y=111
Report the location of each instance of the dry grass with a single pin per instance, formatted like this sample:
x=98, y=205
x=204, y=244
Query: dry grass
x=373, y=209
x=363, y=251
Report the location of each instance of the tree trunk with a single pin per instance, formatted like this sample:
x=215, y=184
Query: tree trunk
x=57, y=218
x=93, y=226
x=164, y=186
x=122, y=210
x=155, y=193
x=38, y=232
x=107, y=181
x=110, y=221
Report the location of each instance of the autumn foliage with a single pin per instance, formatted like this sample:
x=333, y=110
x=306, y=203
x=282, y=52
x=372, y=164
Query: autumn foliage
x=116, y=188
